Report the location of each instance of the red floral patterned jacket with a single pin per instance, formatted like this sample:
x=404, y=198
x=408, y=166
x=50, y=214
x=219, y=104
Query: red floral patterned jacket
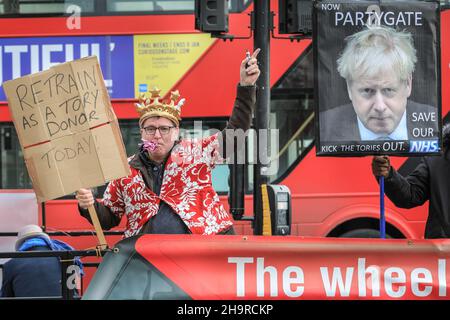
x=186, y=188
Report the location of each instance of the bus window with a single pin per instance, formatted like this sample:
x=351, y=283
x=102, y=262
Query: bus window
x=13, y=173
x=160, y=6
x=131, y=135
x=155, y=6
x=105, y=7
x=193, y=128
x=33, y=7
x=292, y=114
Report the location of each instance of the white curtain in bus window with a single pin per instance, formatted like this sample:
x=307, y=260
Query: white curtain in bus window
x=378, y=84
x=25, y=208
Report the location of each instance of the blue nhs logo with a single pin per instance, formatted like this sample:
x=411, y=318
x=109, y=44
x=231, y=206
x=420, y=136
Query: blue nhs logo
x=424, y=146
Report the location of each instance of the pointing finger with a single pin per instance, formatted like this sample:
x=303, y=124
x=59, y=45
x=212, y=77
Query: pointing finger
x=255, y=53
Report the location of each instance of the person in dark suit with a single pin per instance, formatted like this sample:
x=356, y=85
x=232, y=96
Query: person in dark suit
x=430, y=180
x=377, y=64
x=34, y=277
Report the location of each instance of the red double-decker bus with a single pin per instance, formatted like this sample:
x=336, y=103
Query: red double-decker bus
x=146, y=43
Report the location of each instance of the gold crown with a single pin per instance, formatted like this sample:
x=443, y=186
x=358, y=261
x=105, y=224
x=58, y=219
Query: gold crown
x=154, y=107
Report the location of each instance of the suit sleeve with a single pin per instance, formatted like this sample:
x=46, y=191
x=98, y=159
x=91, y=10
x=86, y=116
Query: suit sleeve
x=107, y=219
x=241, y=118
x=410, y=191
x=244, y=104
x=214, y=146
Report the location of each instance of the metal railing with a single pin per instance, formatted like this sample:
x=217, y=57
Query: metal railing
x=66, y=259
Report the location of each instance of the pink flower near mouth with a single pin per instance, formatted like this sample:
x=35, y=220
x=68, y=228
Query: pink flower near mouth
x=149, y=145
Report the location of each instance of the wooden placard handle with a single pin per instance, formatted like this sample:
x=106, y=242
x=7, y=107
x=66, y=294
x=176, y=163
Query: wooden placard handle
x=98, y=228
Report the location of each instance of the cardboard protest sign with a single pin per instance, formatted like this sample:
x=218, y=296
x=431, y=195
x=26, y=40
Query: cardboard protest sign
x=67, y=129
x=377, y=78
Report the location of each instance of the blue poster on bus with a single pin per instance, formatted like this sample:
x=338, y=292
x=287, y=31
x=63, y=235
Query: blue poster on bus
x=22, y=56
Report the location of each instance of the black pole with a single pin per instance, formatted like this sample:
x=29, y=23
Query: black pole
x=237, y=185
x=261, y=121
x=44, y=222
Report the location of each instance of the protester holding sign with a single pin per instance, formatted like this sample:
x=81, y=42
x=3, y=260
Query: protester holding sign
x=169, y=189
x=377, y=64
x=67, y=128
x=430, y=180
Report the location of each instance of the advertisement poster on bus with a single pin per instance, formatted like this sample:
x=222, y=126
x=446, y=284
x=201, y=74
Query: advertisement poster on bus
x=131, y=64
x=378, y=81
x=162, y=59
x=23, y=56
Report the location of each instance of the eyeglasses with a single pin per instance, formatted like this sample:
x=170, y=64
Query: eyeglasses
x=163, y=130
